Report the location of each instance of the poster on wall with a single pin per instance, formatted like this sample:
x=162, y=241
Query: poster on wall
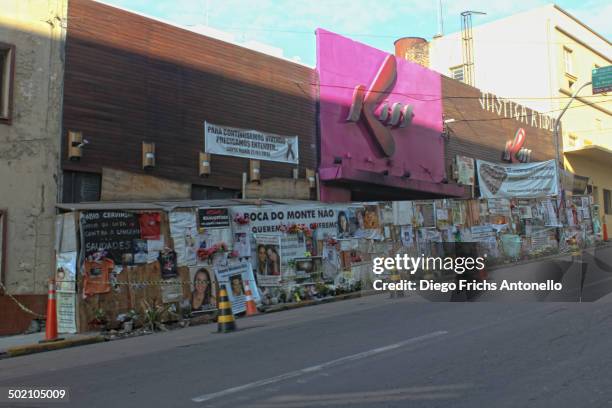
x=213, y=218
x=184, y=233
x=305, y=268
x=171, y=291
x=234, y=278
x=270, y=220
x=268, y=259
x=367, y=223
x=65, y=232
x=109, y=231
x=407, y=236
x=242, y=244
x=140, y=251
x=66, y=312
x=251, y=144
x=465, y=170
x=203, y=296
x=150, y=225
x=344, y=224
x=65, y=272
x=292, y=246
x=517, y=180
x=402, y=212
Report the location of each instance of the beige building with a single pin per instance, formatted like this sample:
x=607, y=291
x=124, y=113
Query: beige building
x=31, y=77
x=538, y=58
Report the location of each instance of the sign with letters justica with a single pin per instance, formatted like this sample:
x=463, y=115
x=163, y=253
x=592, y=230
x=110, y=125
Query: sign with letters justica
x=250, y=144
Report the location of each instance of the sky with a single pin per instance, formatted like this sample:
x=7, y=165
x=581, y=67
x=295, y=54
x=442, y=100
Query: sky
x=290, y=24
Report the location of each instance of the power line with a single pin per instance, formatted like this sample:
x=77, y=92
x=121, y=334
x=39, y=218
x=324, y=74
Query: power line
x=528, y=115
x=414, y=95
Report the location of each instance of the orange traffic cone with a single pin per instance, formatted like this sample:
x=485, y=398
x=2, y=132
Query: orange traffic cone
x=605, y=232
x=51, y=323
x=251, y=308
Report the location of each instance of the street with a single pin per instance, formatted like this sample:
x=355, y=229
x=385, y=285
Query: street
x=371, y=352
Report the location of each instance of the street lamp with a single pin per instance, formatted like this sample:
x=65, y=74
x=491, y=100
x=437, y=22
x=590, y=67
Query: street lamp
x=556, y=133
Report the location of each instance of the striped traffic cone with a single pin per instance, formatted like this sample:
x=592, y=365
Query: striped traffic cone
x=51, y=322
x=225, y=320
x=251, y=307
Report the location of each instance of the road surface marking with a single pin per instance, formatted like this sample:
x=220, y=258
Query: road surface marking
x=319, y=367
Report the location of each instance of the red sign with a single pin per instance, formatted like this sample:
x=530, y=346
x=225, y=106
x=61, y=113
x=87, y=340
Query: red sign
x=514, y=151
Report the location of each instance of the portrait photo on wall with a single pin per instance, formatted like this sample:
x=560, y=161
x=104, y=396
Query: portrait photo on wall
x=268, y=259
x=242, y=244
x=236, y=285
x=203, y=290
x=371, y=217
x=344, y=230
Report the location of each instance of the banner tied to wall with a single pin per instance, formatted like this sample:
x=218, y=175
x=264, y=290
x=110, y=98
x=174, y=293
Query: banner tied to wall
x=517, y=180
x=251, y=144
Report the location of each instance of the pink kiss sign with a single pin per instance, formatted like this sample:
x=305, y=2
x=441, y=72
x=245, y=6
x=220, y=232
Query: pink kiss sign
x=380, y=120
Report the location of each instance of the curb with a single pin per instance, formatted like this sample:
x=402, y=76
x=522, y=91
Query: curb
x=545, y=258
x=306, y=303
x=40, y=347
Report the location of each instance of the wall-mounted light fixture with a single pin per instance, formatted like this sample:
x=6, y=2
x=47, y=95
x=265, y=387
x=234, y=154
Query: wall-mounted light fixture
x=75, y=145
x=148, y=155
x=204, y=164
x=310, y=176
x=254, y=174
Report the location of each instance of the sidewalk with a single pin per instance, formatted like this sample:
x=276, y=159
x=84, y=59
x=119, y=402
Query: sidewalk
x=21, y=344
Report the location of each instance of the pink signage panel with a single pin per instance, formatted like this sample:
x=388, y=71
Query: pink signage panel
x=378, y=113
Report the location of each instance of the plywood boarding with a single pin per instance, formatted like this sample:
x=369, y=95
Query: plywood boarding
x=118, y=185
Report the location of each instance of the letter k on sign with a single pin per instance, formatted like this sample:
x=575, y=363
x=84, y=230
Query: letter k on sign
x=365, y=102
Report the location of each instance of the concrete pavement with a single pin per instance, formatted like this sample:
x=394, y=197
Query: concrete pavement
x=371, y=351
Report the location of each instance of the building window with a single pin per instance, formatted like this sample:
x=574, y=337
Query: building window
x=81, y=187
x=607, y=201
x=7, y=75
x=212, y=193
x=457, y=73
x=567, y=60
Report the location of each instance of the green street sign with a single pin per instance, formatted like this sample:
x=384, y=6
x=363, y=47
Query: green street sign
x=602, y=79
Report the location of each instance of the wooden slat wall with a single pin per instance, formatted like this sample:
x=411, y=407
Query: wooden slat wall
x=486, y=136
x=129, y=79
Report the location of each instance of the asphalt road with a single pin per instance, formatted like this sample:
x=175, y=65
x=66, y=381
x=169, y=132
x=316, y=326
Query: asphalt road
x=367, y=352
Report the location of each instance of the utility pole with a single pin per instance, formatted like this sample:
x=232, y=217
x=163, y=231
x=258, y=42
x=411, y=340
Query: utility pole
x=558, y=121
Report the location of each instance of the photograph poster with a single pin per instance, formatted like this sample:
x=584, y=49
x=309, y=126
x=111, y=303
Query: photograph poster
x=268, y=259
x=203, y=296
x=235, y=277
